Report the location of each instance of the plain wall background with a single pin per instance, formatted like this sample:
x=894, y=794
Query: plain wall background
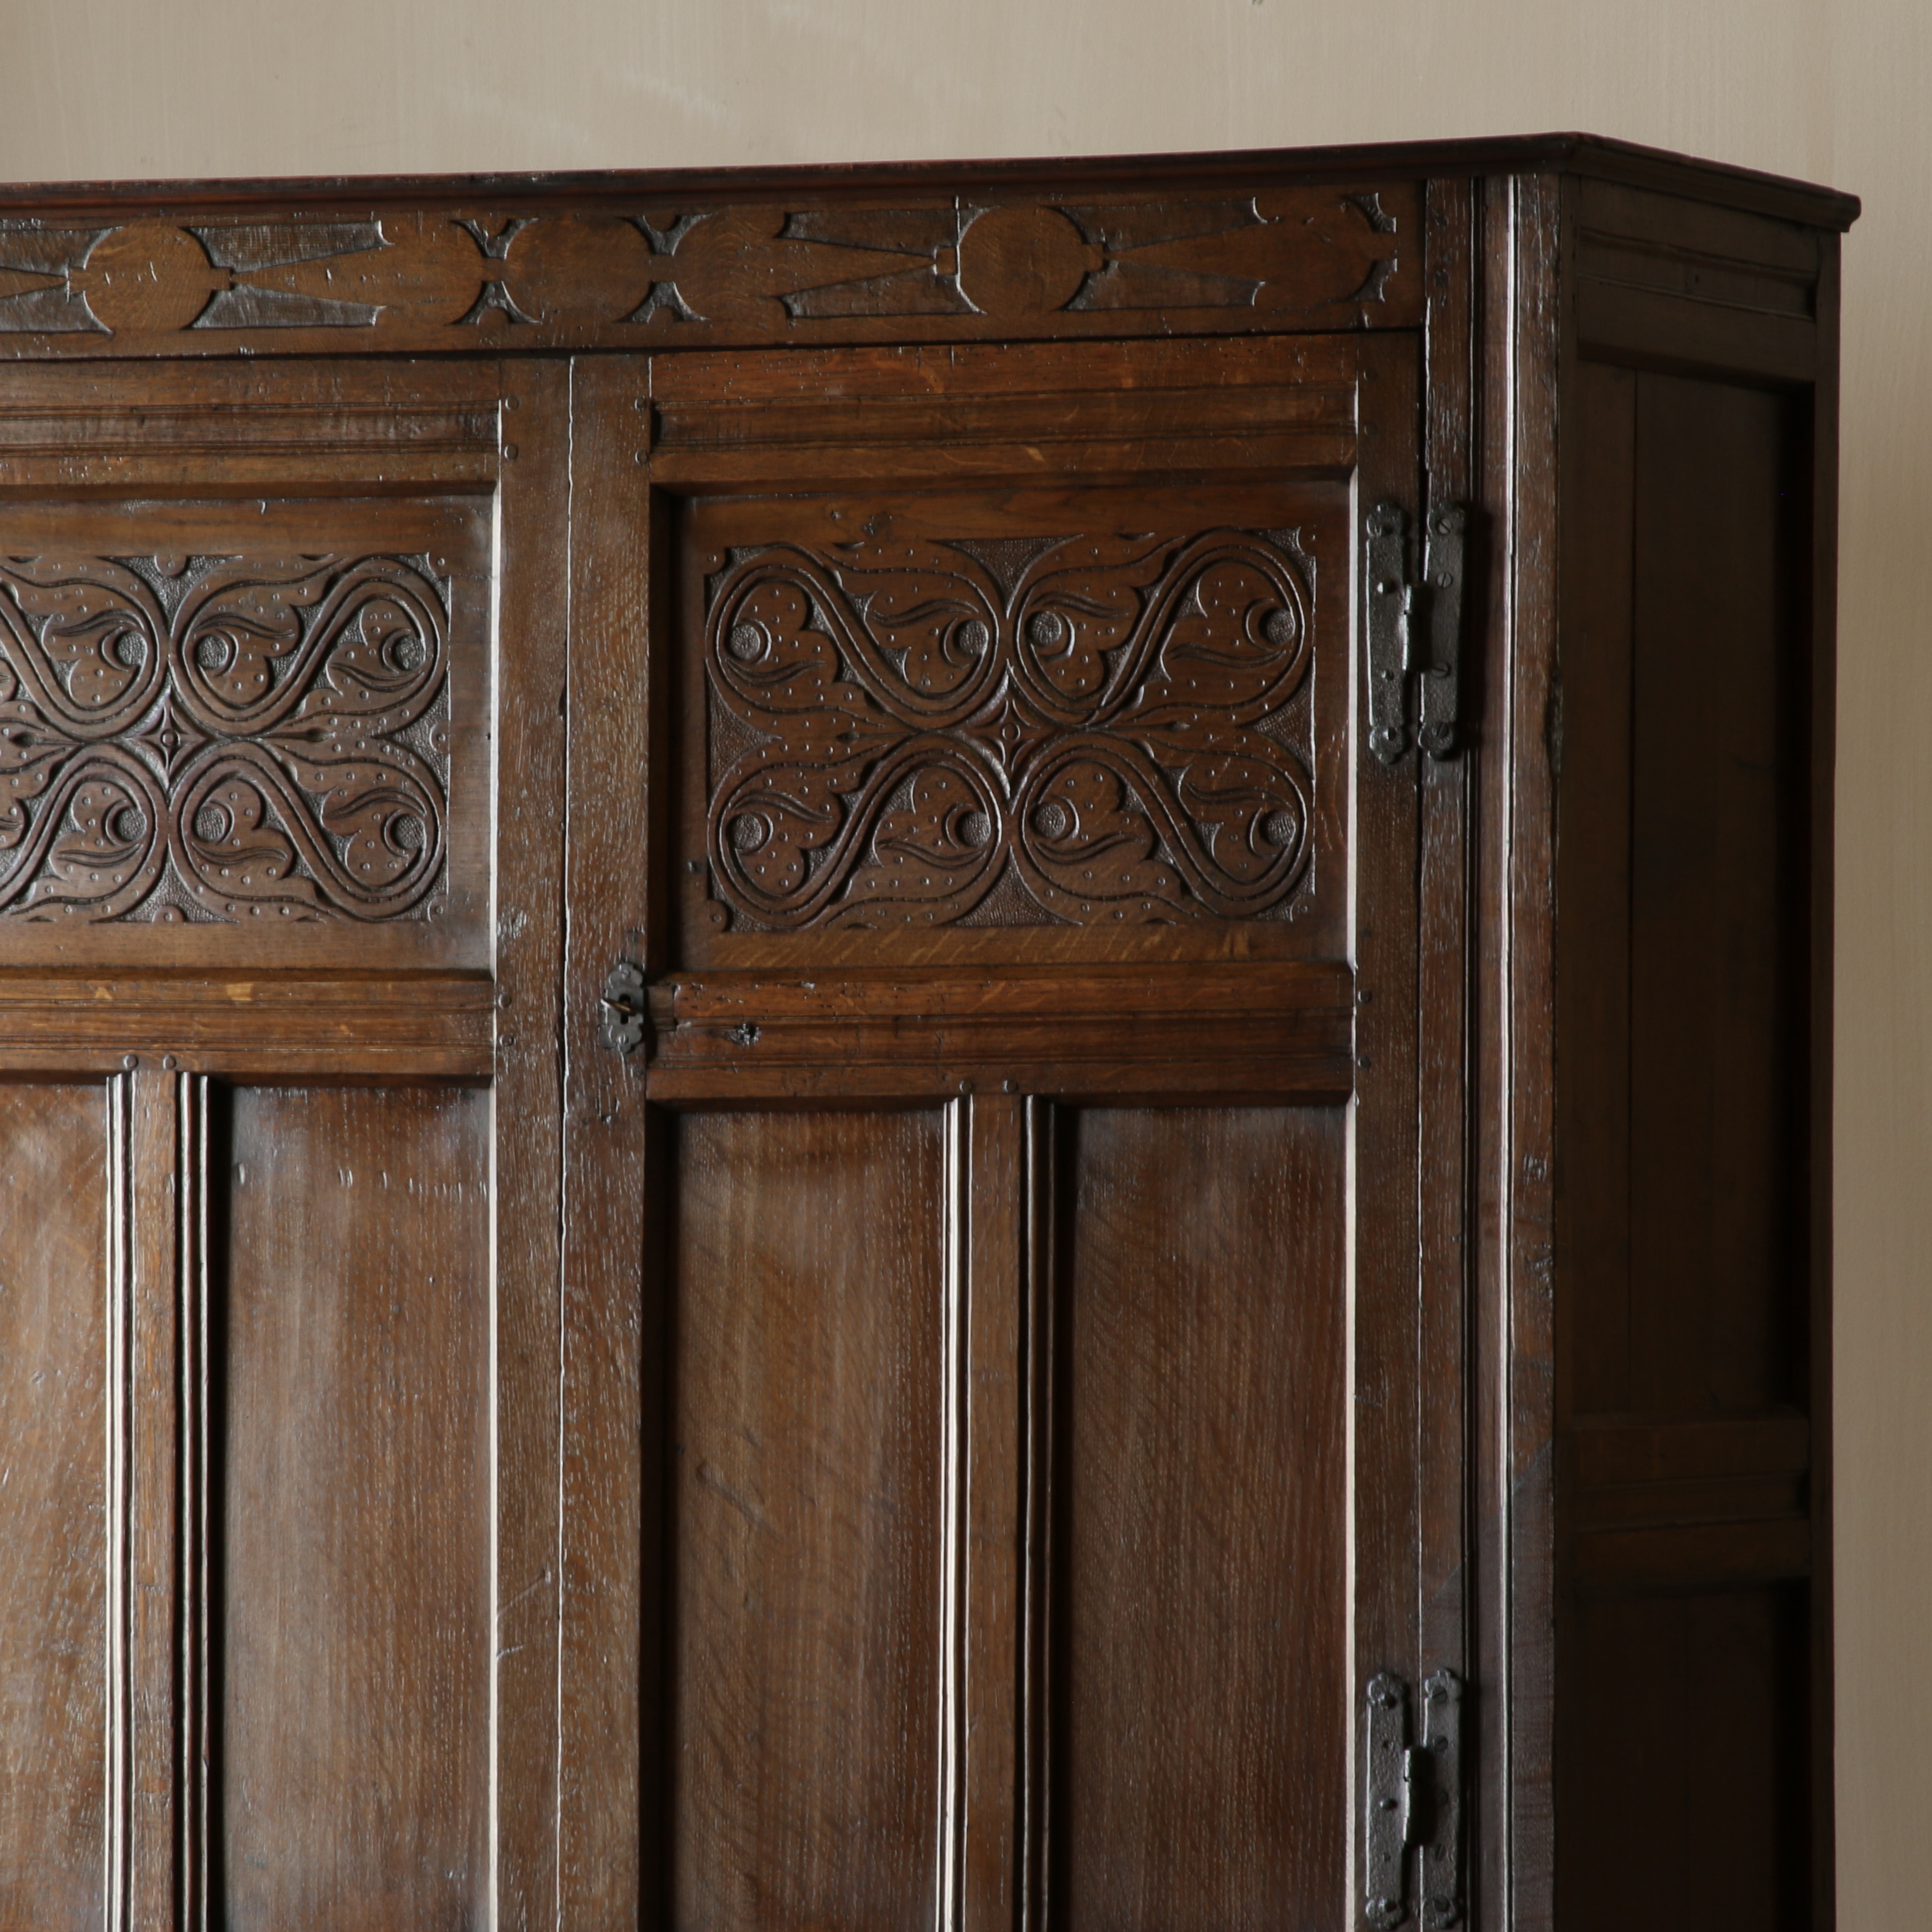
x=1833, y=90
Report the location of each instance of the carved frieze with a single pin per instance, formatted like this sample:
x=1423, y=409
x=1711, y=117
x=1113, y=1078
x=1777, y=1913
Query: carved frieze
x=1079, y=730
x=961, y=266
x=219, y=739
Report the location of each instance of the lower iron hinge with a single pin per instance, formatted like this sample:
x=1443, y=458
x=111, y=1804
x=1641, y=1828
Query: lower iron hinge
x=1413, y=1794
x=1414, y=630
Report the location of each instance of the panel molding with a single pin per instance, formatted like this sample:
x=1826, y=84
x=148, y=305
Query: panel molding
x=1214, y=1032
x=286, y=1026
x=158, y=1725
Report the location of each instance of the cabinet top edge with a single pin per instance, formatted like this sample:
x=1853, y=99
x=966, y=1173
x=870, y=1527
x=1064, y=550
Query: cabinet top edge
x=1745, y=189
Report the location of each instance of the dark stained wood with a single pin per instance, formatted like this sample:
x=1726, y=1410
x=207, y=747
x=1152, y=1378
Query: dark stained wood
x=1128, y=739
x=1593, y=878
x=1386, y=1358
x=1146, y=1214
x=1589, y=157
x=816, y=1319
x=710, y=269
x=1200, y=1606
x=532, y=799
x=245, y=734
x=152, y=1727
x=250, y=1027
x=1444, y=938
x=354, y=1753
x=1719, y=1817
x=1220, y=1033
x=606, y=883
x=1689, y=758
x=54, y=1523
x=1521, y=727
x=1821, y=702
x=1718, y=880
x=1002, y=1280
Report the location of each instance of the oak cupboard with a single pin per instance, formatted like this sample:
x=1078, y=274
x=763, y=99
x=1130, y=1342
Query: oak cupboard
x=923, y=1047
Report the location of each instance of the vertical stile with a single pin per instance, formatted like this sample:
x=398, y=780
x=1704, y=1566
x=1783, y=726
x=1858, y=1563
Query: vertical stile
x=956, y=1287
x=149, y=1476
x=196, y=1463
x=1037, y=1396
x=117, y=1809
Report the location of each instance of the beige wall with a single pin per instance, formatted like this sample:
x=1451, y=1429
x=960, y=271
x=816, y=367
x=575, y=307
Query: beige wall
x=98, y=88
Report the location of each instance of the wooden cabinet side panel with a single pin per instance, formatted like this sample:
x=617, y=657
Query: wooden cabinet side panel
x=1687, y=1128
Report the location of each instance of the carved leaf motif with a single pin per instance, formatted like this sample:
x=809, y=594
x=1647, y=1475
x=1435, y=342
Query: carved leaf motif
x=251, y=726
x=914, y=729
x=84, y=641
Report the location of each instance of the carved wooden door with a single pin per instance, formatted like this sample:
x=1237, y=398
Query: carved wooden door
x=1033, y=1465
x=278, y=1302
x=931, y=1434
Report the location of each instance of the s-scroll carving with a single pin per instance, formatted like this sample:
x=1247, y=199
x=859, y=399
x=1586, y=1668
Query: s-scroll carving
x=1079, y=730
x=216, y=738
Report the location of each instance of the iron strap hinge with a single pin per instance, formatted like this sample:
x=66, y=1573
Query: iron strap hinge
x=626, y=1015
x=1415, y=629
x=1413, y=1802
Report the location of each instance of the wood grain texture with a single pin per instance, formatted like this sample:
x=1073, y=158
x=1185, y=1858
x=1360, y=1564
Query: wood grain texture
x=285, y=1025
x=1445, y=939
x=1002, y=1280
x=453, y=275
x=1821, y=588
x=54, y=1288
x=1721, y=1817
x=1200, y=1666
x=608, y=1627
x=1594, y=882
x=1719, y=876
x=1387, y=1434
x=151, y=1771
x=910, y=1517
x=228, y=721
x=1060, y=723
x=1024, y=711
x=1522, y=725
x=811, y=1339
x=533, y=798
x=1267, y=1032
x=355, y=1747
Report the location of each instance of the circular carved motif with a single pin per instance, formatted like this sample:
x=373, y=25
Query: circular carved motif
x=149, y=275
x=580, y=268
x=1023, y=261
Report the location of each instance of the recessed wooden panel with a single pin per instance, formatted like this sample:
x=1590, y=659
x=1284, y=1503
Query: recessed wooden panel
x=353, y=1754
x=1200, y=1663
x=245, y=734
x=1686, y=1755
x=1686, y=865
x=806, y=1475
x=54, y=1513
x=1720, y=875
x=1064, y=723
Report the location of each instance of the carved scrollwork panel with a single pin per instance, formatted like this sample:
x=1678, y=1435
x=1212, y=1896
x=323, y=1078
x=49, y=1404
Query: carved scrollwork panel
x=1065, y=730
x=203, y=738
